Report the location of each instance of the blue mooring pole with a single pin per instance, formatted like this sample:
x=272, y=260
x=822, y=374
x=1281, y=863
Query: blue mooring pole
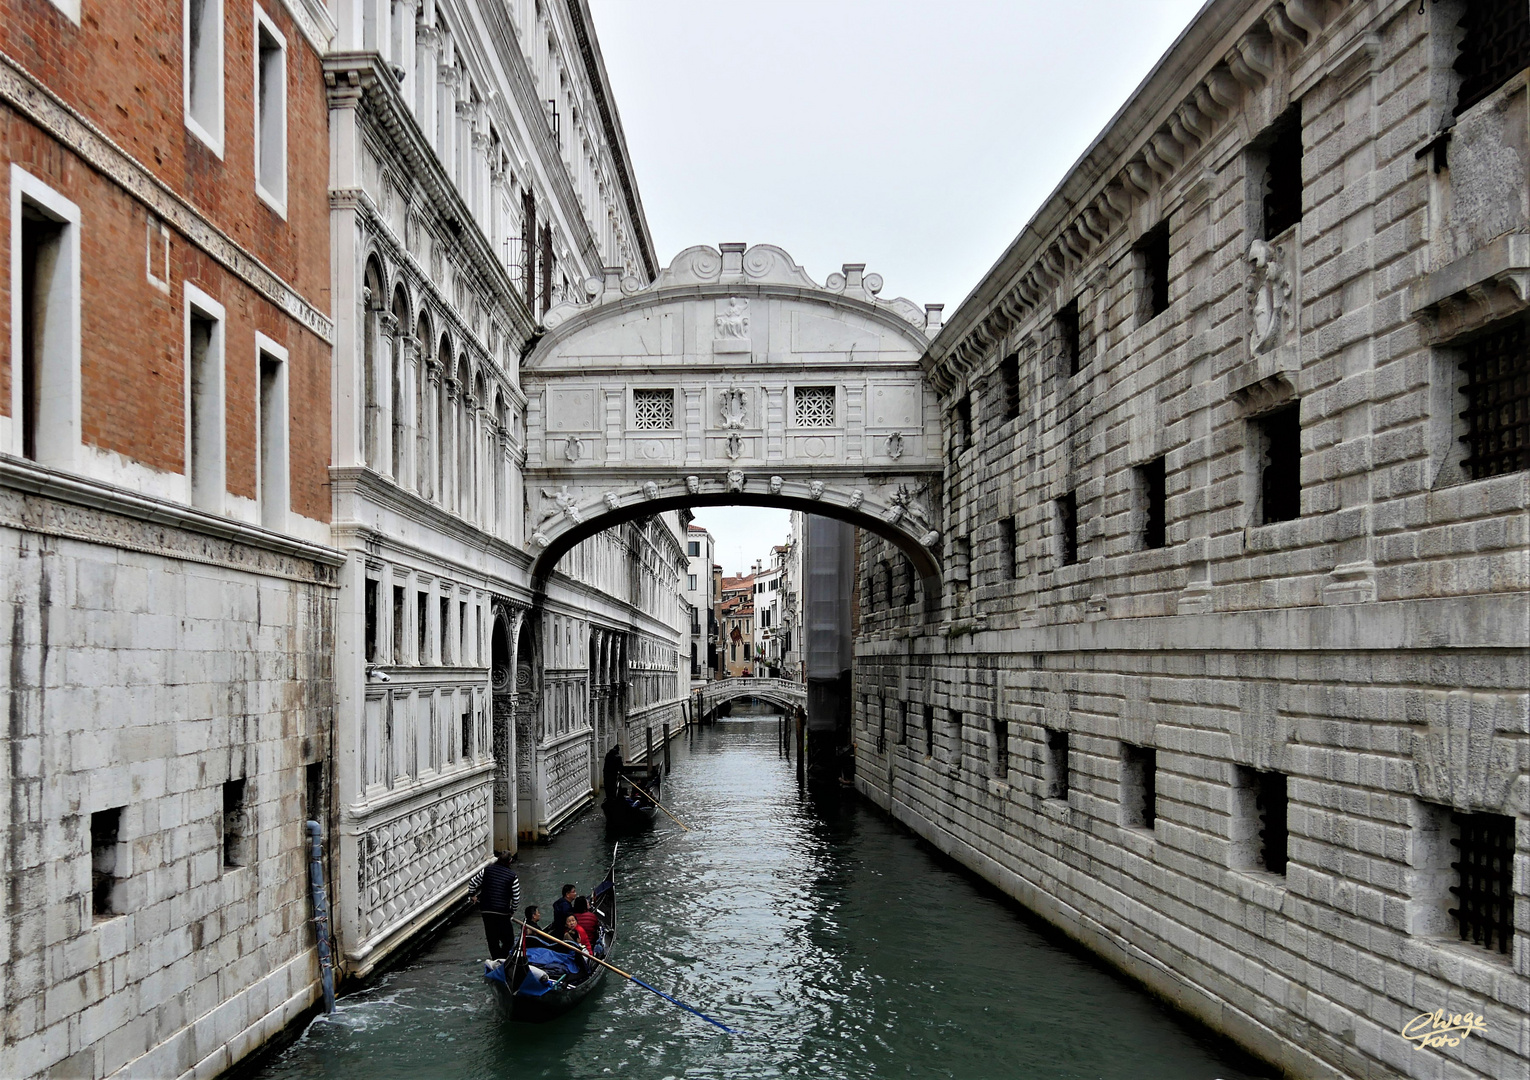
x=321, y=912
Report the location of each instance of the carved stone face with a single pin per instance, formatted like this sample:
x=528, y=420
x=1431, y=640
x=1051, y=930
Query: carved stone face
x=735, y=480
x=815, y=489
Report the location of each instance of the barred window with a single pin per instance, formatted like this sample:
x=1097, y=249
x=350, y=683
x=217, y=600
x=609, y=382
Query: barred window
x=653, y=410
x=1496, y=381
x=1496, y=46
x=1484, y=888
x=814, y=406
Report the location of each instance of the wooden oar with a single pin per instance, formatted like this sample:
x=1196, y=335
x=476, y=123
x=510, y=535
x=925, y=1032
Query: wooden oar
x=630, y=978
x=657, y=803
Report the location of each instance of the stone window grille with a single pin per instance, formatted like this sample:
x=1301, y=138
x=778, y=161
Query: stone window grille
x=902, y=723
x=1055, y=765
x=1484, y=888
x=813, y=406
x=467, y=735
x=881, y=725
x=929, y=731
x=1001, y=747
x=1139, y=786
x=1495, y=47
x=653, y=410
x=1495, y=369
x=105, y=831
x=961, y=438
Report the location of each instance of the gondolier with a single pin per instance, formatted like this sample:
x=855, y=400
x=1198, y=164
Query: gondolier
x=497, y=891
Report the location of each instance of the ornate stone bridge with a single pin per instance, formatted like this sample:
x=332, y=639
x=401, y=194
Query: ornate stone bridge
x=783, y=692
x=733, y=378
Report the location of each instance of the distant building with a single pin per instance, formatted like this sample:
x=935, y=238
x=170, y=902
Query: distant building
x=700, y=596
x=737, y=624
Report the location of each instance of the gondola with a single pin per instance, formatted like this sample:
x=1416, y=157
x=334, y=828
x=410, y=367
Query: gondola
x=524, y=994
x=626, y=809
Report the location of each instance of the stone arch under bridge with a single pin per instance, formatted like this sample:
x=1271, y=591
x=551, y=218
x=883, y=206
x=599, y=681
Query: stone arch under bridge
x=734, y=378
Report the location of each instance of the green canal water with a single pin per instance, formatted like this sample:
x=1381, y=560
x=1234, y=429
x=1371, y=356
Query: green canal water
x=838, y=945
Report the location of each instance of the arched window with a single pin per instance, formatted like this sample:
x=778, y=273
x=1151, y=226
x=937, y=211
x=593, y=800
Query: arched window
x=397, y=384
x=372, y=305
x=423, y=482
x=444, y=425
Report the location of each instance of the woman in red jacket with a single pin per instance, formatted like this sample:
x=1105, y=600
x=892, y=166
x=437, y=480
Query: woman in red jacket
x=588, y=921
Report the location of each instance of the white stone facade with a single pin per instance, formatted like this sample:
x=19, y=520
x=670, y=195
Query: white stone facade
x=474, y=702
x=1165, y=616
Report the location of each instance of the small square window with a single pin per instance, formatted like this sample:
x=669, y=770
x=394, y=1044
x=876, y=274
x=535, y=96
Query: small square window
x=1055, y=764
x=653, y=410
x=1008, y=555
x=1276, y=165
x=235, y=825
x=1152, y=258
x=1278, y=445
x=1152, y=481
x=1068, y=331
x=1139, y=786
x=813, y=406
x=1067, y=528
x=105, y=871
x=1009, y=386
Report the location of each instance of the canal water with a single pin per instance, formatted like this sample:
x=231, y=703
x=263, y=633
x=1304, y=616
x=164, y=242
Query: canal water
x=836, y=943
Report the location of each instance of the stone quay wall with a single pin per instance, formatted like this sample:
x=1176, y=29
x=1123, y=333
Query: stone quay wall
x=170, y=701
x=1230, y=703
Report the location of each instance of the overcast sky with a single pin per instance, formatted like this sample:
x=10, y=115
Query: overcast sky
x=917, y=138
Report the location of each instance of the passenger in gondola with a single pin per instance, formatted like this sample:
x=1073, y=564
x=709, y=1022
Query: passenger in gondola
x=563, y=907
x=588, y=921
x=575, y=941
x=533, y=922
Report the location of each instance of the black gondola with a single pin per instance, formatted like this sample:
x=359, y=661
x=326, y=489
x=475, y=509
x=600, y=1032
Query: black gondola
x=626, y=808
x=552, y=989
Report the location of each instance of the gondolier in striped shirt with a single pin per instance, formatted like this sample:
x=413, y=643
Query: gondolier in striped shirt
x=497, y=891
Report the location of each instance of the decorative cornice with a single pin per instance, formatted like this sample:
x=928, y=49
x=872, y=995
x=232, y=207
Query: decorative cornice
x=611, y=125
x=1229, y=49
x=356, y=79
x=313, y=21
x=23, y=92
x=37, y=499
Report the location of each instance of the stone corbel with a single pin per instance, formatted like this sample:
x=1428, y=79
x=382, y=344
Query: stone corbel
x=1305, y=14
x=1488, y=284
x=1261, y=395
x=1282, y=28
x=1221, y=91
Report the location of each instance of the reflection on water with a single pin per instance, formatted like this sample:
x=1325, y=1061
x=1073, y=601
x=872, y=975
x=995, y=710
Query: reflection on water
x=835, y=942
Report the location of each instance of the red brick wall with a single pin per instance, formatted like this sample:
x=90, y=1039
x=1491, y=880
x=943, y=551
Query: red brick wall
x=122, y=69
